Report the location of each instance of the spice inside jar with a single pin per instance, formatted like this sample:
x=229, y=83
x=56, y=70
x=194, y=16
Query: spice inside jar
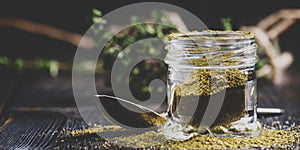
x=211, y=84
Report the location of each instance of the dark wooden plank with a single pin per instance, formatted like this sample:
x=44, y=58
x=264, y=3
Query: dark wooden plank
x=47, y=128
x=8, y=80
x=285, y=97
x=32, y=129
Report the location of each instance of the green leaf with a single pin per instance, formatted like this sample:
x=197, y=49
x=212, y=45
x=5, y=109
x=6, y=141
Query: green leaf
x=96, y=12
x=226, y=22
x=19, y=63
x=53, y=68
x=3, y=60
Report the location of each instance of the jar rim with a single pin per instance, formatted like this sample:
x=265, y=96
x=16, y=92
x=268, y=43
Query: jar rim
x=211, y=47
x=217, y=35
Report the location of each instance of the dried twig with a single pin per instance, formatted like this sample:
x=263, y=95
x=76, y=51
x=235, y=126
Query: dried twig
x=177, y=21
x=279, y=28
x=275, y=17
x=262, y=40
x=47, y=30
x=267, y=30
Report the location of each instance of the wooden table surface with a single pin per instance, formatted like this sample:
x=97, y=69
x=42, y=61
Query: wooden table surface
x=36, y=111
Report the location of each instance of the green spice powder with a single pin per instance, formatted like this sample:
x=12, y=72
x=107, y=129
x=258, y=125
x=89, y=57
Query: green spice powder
x=210, y=81
x=269, y=138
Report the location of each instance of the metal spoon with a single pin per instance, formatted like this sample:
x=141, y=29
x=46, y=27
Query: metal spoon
x=134, y=104
x=141, y=118
x=151, y=113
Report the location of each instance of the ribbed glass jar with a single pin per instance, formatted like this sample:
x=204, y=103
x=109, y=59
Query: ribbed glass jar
x=211, y=84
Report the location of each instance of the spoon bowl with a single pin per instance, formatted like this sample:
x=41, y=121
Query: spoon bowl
x=137, y=116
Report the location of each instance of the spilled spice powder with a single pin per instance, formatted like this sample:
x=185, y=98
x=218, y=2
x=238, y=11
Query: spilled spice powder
x=154, y=120
x=269, y=138
x=96, y=129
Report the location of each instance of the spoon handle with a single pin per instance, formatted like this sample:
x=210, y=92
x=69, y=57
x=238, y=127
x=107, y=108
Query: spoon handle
x=270, y=111
x=131, y=103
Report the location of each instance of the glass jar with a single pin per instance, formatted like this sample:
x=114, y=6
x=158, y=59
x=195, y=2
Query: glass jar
x=211, y=84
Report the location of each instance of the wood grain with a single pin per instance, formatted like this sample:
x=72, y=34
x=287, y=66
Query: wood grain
x=47, y=127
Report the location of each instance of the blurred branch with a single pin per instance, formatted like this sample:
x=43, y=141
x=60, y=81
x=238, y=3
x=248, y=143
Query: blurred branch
x=275, y=17
x=262, y=40
x=278, y=22
x=177, y=21
x=279, y=28
x=46, y=30
x=269, y=29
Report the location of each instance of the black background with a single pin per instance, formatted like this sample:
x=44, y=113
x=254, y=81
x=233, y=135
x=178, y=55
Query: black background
x=27, y=96
x=75, y=16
